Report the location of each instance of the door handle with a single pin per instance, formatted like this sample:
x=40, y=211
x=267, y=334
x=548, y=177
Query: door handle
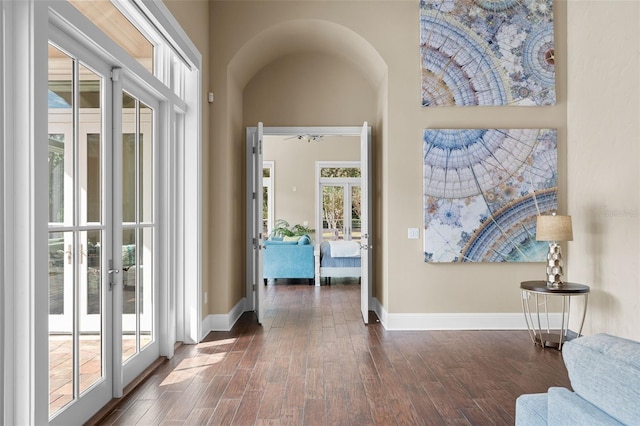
x=112, y=271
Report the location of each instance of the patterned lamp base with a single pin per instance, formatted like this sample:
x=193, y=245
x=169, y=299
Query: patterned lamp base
x=554, y=266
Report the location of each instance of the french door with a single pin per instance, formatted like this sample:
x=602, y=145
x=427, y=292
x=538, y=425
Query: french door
x=340, y=203
x=102, y=229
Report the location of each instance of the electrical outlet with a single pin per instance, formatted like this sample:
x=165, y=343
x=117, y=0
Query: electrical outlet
x=413, y=233
x=205, y=297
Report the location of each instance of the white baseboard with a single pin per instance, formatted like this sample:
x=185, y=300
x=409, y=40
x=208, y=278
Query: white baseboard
x=415, y=322
x=456, y=321
x=222, y=322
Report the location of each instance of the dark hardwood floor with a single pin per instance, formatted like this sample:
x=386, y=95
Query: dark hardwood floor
x=314, y=362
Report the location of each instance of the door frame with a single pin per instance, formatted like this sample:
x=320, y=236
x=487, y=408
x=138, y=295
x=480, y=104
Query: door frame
x=355, y=131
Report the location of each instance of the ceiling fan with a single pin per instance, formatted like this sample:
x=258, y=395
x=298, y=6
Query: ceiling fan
x=308, y=138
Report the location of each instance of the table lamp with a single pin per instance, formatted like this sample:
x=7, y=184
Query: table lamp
x=554, y=228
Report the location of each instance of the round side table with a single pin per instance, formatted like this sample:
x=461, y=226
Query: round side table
x=537, y=319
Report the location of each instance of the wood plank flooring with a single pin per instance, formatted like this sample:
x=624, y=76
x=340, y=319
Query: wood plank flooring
x=313, y=362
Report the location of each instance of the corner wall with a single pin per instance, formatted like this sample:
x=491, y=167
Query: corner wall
x=604, y=161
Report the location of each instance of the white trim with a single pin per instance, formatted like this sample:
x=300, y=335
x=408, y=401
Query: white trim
x=25, y=390
x=2, y=228
x=223, y=322
x=192, y=210
x=158, y=13
x=455, y=321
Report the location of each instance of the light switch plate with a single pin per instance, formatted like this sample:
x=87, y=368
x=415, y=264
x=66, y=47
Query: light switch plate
x=413, y=234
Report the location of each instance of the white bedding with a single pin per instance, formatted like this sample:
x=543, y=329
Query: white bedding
x=344, y=249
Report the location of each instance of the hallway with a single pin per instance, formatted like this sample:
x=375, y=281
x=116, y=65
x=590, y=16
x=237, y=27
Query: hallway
x=315, y=362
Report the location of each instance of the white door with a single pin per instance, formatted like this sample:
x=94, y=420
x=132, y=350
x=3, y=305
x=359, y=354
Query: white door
x=135, y=229
x=365, y=252
x=255, y=225
x=79, y=234
x=102, y=233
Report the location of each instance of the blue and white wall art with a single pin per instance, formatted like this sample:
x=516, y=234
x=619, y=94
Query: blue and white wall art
x=487, y=52
x=483, y=189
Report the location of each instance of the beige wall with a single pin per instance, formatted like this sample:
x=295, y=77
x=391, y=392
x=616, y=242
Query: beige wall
x=295, y=169
x=603, y=164
x=602, y=40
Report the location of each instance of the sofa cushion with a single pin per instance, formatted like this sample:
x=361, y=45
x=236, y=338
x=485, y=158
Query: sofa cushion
x=292, y=238
x=567, y=408
x=531, y=409
x=279, y=243
x=605, y=370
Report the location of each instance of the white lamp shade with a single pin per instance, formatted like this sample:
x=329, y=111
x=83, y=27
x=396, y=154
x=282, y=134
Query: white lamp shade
x=554, y=228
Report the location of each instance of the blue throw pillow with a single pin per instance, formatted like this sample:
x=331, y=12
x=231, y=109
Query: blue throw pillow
x=304, y=240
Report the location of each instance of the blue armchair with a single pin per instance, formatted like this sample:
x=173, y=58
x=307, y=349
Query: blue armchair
x=288, y=259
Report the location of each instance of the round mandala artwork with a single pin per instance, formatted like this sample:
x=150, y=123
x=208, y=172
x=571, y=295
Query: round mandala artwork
x=487, y=52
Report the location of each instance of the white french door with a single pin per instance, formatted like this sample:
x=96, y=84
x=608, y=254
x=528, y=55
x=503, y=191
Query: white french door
x=80, y=237
x=365, y=201
x=135, y=229
x=102, y=162
x=340, y=200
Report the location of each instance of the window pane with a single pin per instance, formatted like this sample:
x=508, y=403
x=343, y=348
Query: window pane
x=129, y=105
x=60, y=103
x=115, y=25
x=145, y=289
x=340, y=172
x=332, y=212
x=356, y=224
x=61, y=308
x=90, y=320
x=145, y=164
x=129, y=279
x=90, y=145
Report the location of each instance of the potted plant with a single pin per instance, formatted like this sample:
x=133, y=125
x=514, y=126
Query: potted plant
x=283, y=229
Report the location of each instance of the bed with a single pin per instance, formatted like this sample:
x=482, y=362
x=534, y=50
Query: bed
x=339, y=259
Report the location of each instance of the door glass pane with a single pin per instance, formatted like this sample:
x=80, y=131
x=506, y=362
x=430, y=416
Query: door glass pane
x=355, y=213
x=129, y=123
x=332, y=212
x=76, y=299
x=145, y=164
x=137, y=236
x=265, y=210
x=61, y=320
x=145, y=289
x=90, y=320
x=60, y=106
x=129, y=323
x=90, y=145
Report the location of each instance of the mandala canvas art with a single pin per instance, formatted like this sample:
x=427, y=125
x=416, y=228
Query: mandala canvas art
x=483, y=189
x=487, y=52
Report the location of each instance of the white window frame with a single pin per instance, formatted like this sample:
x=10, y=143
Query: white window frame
x=2, y=205
x=346, y=182
x=25, y=307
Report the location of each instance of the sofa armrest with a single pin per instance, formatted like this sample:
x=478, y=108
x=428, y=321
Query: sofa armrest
x=531, y=409
x=605, y=370
x=567, y=408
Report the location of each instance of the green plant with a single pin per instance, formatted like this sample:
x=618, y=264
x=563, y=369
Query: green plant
x=283, y=229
